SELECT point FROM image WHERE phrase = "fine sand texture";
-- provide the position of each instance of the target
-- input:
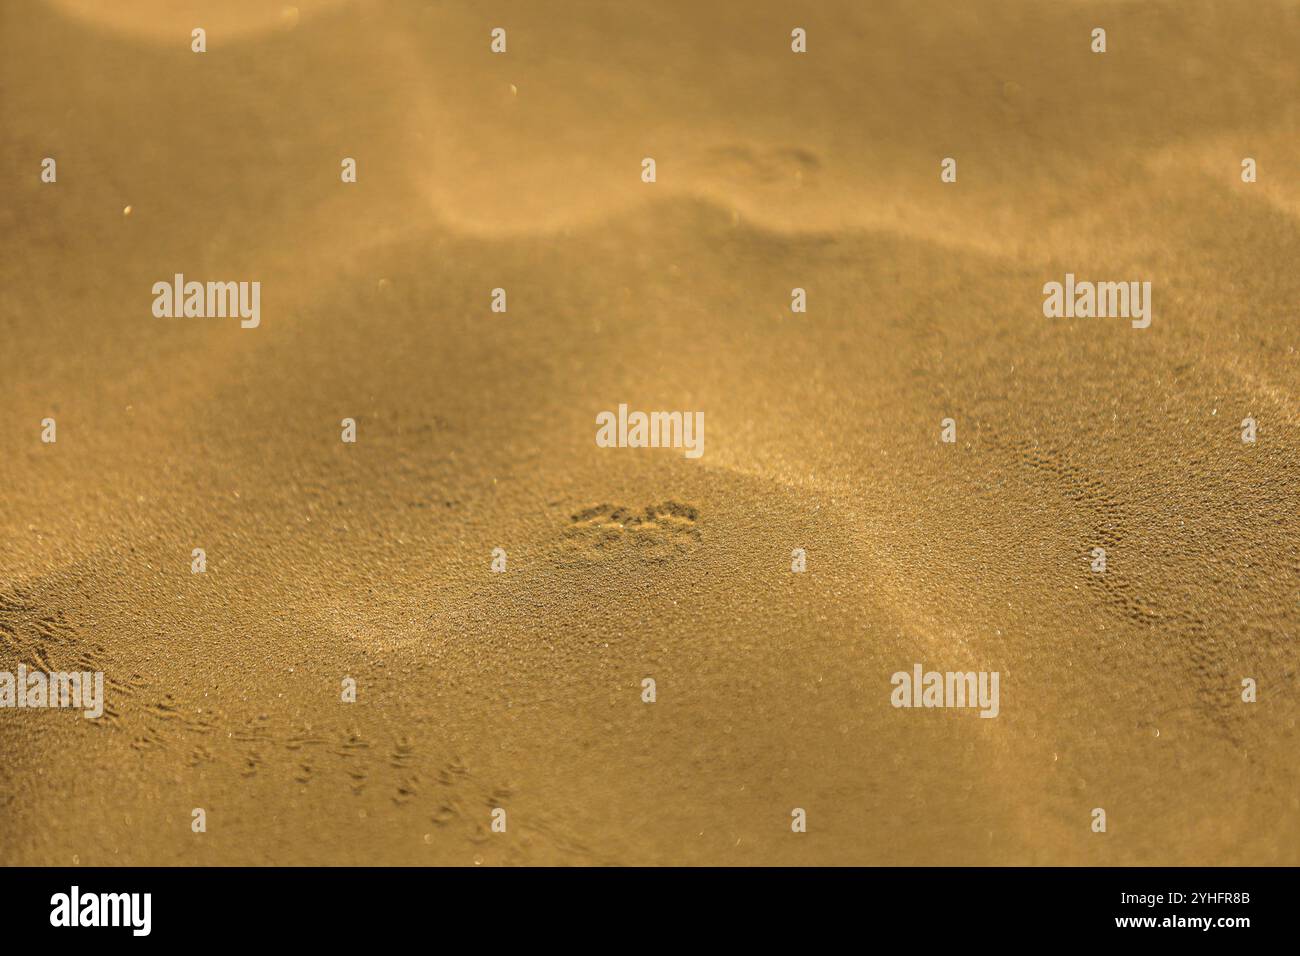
(523, 690)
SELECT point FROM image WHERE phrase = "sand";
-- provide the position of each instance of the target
(523, 690)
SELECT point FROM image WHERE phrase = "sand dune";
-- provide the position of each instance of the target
(522, 690)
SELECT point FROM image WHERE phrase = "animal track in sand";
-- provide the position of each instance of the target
(36, 632)
(32, 632)
(653, 533)
(760, 166)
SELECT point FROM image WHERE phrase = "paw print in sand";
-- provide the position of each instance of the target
(653, 533)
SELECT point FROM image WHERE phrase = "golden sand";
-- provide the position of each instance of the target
(522, 690)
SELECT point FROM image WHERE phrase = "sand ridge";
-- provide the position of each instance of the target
(476, 431)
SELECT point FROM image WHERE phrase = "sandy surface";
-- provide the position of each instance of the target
(523, 690)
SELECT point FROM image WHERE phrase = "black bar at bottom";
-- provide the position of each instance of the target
(621, 907)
